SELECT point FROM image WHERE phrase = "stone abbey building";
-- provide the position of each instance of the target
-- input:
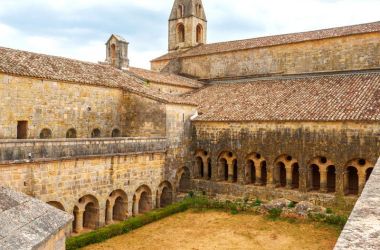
(294, 116)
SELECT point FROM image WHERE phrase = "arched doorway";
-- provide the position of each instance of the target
(71, 133)
(315, 177)
(235, 171)
(45, 134)
(281, 174)
(116, 133)
(251, 172)
(142, 200)
(295, 176)
(264, 178)
(200, 167)
(331, 179)
(166, 195)
(184, 180)
(352, 179)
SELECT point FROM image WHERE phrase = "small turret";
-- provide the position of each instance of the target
(117, 52)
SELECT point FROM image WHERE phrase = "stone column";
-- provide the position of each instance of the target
(205, 169)
(136, 207)
(362, 182)
(346, 180)
(158, 200)
(78, 227)
(109, 213)
(270, 177)
(323, 184)
(258, 181)
(230, 171)
(289, 181)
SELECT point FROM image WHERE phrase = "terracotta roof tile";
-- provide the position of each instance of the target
(28, 64)
(212, 48)
(166, 78)
(336, 97)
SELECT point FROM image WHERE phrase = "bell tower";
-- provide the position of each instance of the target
(187, 25)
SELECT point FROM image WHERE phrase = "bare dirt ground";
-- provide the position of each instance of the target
(219, 230)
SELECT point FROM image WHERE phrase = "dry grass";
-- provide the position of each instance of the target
(219, 230)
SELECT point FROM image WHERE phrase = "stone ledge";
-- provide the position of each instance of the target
(362, 230)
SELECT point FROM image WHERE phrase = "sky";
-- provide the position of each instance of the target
(79, 28)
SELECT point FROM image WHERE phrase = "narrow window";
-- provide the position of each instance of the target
(180, 11)
(181, 33)
(199, 33)
(22, 130)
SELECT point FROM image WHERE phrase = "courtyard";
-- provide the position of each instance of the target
(220, 230)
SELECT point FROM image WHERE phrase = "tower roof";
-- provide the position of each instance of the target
(190, 9)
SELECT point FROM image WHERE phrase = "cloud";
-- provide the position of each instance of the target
(79, 28)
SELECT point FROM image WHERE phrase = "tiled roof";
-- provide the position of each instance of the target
(28, 223)
(28, 64)
(165, 78)
(212, 48)
(337, 97)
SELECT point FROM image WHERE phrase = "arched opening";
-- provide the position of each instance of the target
(295, 176)
(315, 177)
(331, 179)
(184, 181)
(368, 173)
(181, 33)
(352, 179)
(95, 133)
(45, 134)
(200, 166)
(56, 204)
(145, 203)
(281, 174)
(199, 31)
(235, 169)
(251, 172)
(224, 168)
(209, 172)
(198, 10)
(90, 216)
(166, 197)
(116, 133)
(263, 166)
(180, 11)
(120, 209)
(71, 133)
(113, 54)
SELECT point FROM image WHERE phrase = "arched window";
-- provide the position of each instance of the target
(116, 133)
(181, 33)
(199, 33)
(198, 10)
(113, 54)
(180, 11)
(95, 133)
(71, 133)
(45, 133)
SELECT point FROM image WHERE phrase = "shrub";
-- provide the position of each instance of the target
(292, 204)
(331, 219)
(257, 203)
(274, 213)
(329, 211)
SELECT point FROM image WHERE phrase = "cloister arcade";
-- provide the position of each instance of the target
(319, 174)
(88, 211)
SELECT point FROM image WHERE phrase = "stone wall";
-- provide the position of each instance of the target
(285, 145)
(63, 183)
(169, 89)
(144, 117)
(59, 107)
(335, 54)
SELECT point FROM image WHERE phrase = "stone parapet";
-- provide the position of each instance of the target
(362, 230)
(13, 151)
